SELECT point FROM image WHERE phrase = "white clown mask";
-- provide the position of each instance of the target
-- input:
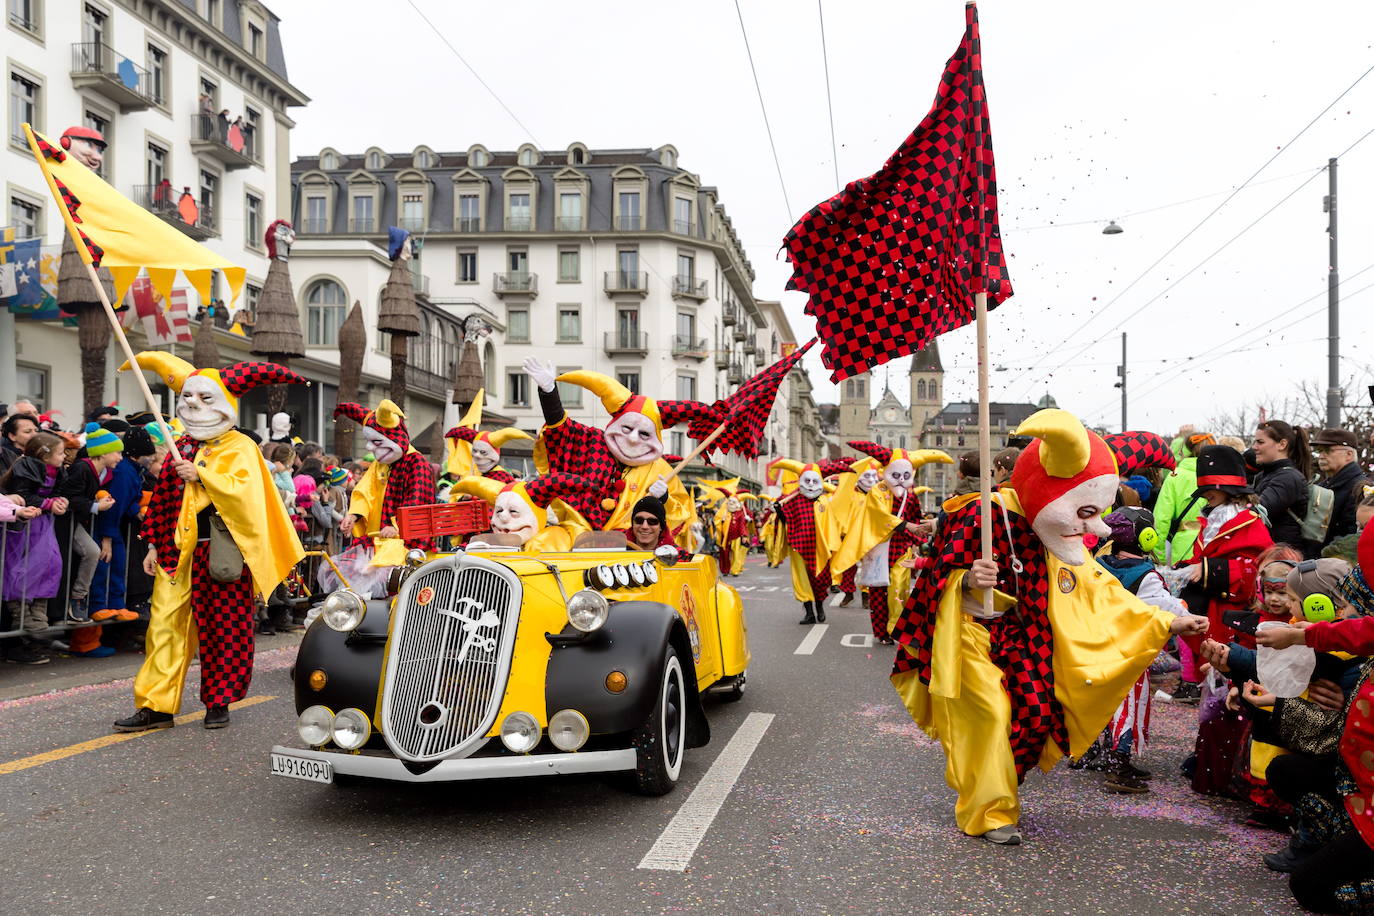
(733, 504)
(633, 439)
(484, 456)
(899, 476)
(810, 483)
(204, 409)
(867, 480)
(382, 448)
(1062, 525)
(512, 515)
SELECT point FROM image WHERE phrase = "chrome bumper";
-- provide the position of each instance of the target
(386, 767)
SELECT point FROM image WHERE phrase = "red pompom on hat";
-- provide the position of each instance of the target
(873, 449)
(1063, 455)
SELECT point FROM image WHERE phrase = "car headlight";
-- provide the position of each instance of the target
(351, 729)
(315, 725)
(343, 610)
(587, 610)
(415, 558)
(520, 732)
(569, 730)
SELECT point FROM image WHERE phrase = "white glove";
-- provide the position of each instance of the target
(542, 373)
(659, 488)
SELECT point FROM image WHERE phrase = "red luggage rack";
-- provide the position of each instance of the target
(451, 520)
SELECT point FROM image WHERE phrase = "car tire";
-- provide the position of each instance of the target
(660, 742)
(736, 691)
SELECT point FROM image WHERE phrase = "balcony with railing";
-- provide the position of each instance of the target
(688, 347)
(228, 144)
(194, 217)
(689, 287)
(722, 359)
(468, 224)
(729, 314)
(413, 223)
(365, 226)
(626, 343)
(740, 332)
(515, 282)
(629, 223)
(315, 226)
(569, 224)
(735, 374)
(750, 345)
(519, 224)
(629, 282)
(418, 379)
(97, 67)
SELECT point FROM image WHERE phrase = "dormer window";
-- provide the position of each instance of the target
(329, 160)
(527, 156)
(422, 159)
(477, 158)
(579, 157)
(374, 160)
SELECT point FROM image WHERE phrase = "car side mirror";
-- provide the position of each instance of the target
(666, 555)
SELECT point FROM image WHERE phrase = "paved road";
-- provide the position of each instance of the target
(840, 808)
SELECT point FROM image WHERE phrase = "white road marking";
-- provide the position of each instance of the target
(857, 640)
(813, 639)
(678, 842)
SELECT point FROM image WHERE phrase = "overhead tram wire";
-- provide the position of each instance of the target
(1203, 221)
(763, 108)
(829, 101)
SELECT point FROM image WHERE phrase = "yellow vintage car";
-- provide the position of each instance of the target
(494, 663)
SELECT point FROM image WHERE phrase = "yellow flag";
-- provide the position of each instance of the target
(130, 237)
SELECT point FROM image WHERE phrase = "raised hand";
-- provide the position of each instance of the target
(542, 373)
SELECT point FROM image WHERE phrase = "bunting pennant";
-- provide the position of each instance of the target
(894, 260)
(118, 234)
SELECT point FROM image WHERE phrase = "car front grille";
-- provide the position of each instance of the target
(453, 632)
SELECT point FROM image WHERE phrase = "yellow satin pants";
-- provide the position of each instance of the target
(170, 646)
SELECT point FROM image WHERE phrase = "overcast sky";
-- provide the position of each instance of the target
(1099, 111)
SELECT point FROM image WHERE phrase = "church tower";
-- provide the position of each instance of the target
(927, 388)
(855, 408)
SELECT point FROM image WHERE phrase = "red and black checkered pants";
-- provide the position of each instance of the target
(224, 615)
(847, 580)
(877, 610)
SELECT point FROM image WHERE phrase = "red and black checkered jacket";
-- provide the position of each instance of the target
(798, 517)
(410, 482)
(575, 448)
(901, 539)
(499, 473)
(1022, 642)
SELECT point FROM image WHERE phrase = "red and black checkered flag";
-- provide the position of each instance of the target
(746, 411)
(894, 260)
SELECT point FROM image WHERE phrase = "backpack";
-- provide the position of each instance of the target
(1321, 503)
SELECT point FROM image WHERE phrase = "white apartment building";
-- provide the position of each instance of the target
(618, 261)
(142, 72)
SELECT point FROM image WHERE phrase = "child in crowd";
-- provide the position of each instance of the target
(33, 561)
(84, 487)
(116, 528)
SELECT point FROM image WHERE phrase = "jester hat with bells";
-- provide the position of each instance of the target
(208, 405)
(1064, 480)
(621, 403)
(461, 439)
(387, 420)
(521, 508)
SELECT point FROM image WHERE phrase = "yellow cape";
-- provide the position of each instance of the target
(366, 503)
(235, 478)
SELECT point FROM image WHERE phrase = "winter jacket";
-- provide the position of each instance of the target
(126, 487)
(80, 483)
(1282, 492)
(1229, 574)
(30, 479)
(1347, 484)
(1175, 494)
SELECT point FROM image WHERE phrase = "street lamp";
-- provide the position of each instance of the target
(1112, 229)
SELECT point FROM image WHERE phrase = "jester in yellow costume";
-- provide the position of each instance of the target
(473, 452)
(731, 524)
(622, 463)
(218, 533)
(801, 526)
(520, 509)
(846, 507)
(1039, 675)
(883, 531)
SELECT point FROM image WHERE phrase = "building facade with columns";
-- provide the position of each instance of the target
(153, 77)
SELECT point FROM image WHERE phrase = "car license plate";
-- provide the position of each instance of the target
(302, 768)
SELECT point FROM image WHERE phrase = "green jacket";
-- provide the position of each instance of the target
(1174, 495)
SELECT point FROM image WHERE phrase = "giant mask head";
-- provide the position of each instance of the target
(521, 508)
(810, 483)
(280, 237)
(484, 456)
(634, 434)
(208, 399)
(384, 429)
(899, 476)
(1066, 479)
(471, 451)
(86, 144)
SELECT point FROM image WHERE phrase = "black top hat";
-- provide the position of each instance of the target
(1220, 467)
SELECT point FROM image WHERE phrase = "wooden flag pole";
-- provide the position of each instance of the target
(980, 301)
(118, 331)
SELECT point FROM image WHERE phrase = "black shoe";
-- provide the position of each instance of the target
(820, 611)
(143, 720)
(810, 614)
(848, 599)
(25, 655)
(1121, 779)
(1288, 858)
(1188, 692)
(216, 716)
(1137, 771)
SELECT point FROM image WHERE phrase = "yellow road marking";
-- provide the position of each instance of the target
(71, 750)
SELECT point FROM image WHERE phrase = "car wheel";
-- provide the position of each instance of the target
(661, 740)
(736, 691)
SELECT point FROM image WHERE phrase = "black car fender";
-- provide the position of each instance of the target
(633, 640)
(351, 662)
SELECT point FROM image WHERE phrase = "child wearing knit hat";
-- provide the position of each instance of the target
(83, 486)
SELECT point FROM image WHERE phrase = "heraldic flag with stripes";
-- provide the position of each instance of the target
(894, 260)
(745, 413)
